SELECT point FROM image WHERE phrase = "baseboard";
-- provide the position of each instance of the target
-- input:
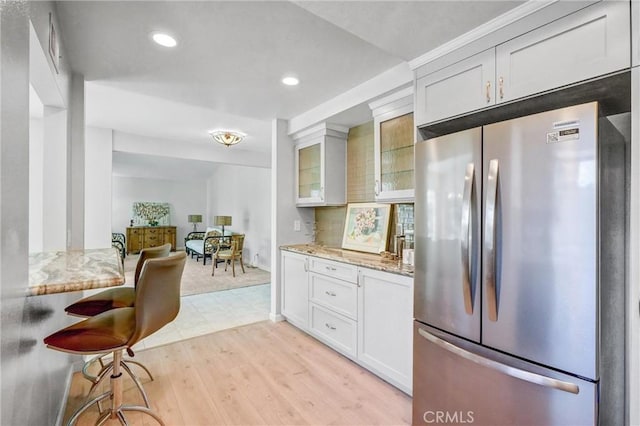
(67, 389)
(275, 317)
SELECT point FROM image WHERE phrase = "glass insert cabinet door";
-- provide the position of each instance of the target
(395, 158)
(310, 172)
(320, 169)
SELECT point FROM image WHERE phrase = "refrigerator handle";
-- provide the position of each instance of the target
(490, 240)
(466, 237)
(527, 376)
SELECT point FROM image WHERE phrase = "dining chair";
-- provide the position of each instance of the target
(230, 255)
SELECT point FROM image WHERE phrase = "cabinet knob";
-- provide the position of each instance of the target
(488, 88)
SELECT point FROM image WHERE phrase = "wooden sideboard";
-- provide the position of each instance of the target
(139, 237)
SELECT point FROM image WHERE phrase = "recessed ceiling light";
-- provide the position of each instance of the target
(290, 81)
(164, 39)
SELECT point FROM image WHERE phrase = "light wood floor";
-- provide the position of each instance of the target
(260, 374)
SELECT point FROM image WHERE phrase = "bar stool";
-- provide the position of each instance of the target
(120, 297)
(157, 302)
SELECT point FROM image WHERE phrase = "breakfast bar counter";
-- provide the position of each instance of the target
(368, 260)
(74, 270)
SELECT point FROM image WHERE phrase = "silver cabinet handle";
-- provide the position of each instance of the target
(488, 89)
(501, 87)
(490, 240)
(376, 188)
(527, 376)
(306, 264)
(330, 268)
(329, 326)
(322, 193)
(466, 238)
(330, 293)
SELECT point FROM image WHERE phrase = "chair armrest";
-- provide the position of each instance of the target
(121, 249)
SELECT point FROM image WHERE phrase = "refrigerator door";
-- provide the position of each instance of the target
(458, 382)
(540, 239)
(447, 232)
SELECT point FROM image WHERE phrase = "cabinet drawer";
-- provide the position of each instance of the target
(334, 329)
(335, 294)
(333, 269)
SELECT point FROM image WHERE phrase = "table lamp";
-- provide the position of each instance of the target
(195, 218)
(222, 221)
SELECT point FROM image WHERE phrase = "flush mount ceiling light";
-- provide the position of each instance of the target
(290, 81)
(227, 137)
(164, 39)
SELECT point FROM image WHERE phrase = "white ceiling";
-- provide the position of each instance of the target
(226, 70)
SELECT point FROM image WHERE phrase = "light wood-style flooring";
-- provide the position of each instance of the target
(259, 374)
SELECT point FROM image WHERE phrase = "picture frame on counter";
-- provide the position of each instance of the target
(366, 227)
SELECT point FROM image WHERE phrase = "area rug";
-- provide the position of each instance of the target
(197, 278)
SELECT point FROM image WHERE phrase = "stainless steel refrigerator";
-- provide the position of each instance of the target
(519, 279)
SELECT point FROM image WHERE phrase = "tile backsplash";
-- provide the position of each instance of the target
(329, 225)
(329, 221)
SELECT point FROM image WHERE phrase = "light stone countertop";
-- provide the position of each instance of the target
(74, 270)
(367, 260)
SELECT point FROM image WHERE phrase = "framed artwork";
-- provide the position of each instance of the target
(150, 214)
(366, 227)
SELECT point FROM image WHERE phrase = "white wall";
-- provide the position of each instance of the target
(244, 193)
(55, 179)
(76, 164)
(36, 182)
(184, 197)
(283, 207)
(97, 183)
(30, 374)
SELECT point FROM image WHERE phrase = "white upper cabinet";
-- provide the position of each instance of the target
(591, 42)
(394, 138)
(321, 154)
(585, 44)
(460, 88)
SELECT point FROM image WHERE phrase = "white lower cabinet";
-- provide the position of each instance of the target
(365, 314)
(385, 326)
(337, 295)
(295, 289)
(333, 304)
(334, 329)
